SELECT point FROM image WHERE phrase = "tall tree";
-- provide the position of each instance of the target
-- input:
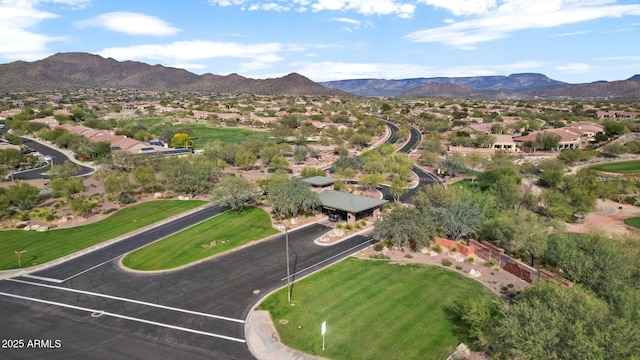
(402, 227)
(459, 218)
(292, 196)
(235, 192)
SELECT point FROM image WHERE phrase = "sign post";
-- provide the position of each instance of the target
(323, 330)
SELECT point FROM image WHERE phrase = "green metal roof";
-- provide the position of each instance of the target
(320, 180)
(349, 202)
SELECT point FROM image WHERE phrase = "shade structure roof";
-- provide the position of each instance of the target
(320, 180)
(348, 202)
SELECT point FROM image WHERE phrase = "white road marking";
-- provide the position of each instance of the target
(57, 281)
(91, 268)
(125, 317)
(323, 261)
(129, 300)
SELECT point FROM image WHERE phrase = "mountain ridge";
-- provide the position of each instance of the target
(83, 70)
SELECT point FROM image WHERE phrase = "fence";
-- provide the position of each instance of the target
(490, 252)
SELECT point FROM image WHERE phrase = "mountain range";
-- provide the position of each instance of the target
(83, 70)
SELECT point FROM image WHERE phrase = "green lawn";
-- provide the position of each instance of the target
(634, 221)
(230, 230)
(42, 247)
(374, 310)
(627, 167)
(203, 134)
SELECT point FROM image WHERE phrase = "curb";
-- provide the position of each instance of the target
(6, 274)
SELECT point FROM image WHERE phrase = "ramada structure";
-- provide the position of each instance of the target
(348, 206)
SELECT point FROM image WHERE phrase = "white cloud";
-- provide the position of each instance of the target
(575, 68)
(131, 24)
(269, 7)
(188, 51)
(347, 20)
(18, 38)
(327, 71)
(189, 66)
(365, 7)
(226, 3)
(575, 33)
(463, 7)
(514, 15)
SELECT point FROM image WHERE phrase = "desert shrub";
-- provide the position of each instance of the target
(408, 256)
(446, 262)
(378, 247)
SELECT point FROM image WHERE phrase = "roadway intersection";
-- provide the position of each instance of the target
(105, 312)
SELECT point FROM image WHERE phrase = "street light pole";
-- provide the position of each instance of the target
(286, 241)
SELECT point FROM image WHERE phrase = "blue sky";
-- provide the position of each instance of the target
(575, 41)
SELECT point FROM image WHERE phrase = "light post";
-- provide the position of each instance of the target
(286, 242)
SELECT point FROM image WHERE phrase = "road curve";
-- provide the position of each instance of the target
(57, 157)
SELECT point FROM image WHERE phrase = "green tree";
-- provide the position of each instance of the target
(292, 196)
(431, 196)
(22, 195)
(145, 177)
(452, 165)
(402, 227)
(245, 159)
(372, 181)
(459, 218)
(549, 322)
(547, 141)
(190, 175)
(117, 184)
(66, 186)
(82, 205)
(398, 187)
(278, 163)
(235, 192)
(308, 172)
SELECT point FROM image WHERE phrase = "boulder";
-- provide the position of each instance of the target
(474, 273)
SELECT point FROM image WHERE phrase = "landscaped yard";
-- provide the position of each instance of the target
(228, 230)
(627, 167)
(373, 310)
(42, 247)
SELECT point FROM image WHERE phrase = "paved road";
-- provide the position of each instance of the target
(57, 157)
(194, 313)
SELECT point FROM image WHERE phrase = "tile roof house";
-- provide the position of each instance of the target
(505, 143)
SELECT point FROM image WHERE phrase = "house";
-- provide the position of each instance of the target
(569, 138)
(505, 143)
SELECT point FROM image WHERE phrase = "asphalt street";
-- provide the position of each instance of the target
(57, 157)
(196, 312)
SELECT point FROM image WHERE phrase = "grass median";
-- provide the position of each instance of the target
(41, 247)
(222, 233)
(374, 310)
